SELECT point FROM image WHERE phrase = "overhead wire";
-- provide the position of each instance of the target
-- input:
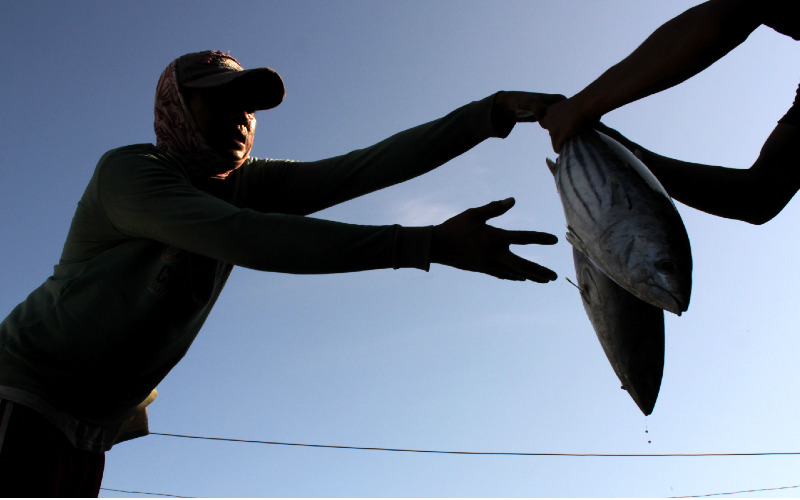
(143, 493)
(452, 452)
(742, 491)
(759, 490)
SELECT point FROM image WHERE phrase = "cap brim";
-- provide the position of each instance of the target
(260, 87)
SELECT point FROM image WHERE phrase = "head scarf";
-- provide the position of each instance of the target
(178, 134)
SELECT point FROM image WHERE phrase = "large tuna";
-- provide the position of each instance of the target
(630, 331)
(622, 219)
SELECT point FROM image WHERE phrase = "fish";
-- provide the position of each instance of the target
(630, 331)
(622, 219)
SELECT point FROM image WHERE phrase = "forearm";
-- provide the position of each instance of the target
(134, 196)
(747, 194)
(306, 245)
(279, 242)
(754, 195)
(676, 51)
(307, 187)
(712, 189)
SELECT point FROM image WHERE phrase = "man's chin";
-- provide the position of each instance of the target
(234, 155)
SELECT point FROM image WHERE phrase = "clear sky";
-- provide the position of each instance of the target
(444, 360)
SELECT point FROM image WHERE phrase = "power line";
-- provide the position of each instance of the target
(742, 491)
(143, 493)
(451, 452)
(687, 496)
(534, 454)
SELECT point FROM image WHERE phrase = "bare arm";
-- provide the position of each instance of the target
(754, 195)
(676, 51)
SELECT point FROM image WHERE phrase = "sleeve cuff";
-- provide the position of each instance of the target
(412, 247)
(483, 123)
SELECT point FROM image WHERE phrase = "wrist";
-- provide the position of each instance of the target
(503, 119)
(413, 247)
(587, 106)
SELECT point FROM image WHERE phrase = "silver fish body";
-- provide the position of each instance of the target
(630, 331)
(623, 220)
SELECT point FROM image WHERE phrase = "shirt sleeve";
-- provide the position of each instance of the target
(307, 187)
(144, 198)
(263, 223)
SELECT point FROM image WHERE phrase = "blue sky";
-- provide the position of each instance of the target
(445, 360)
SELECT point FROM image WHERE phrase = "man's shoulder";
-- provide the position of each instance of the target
(138, 158)
(143, 151)
(135, 167)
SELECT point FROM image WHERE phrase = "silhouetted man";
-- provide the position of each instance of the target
(159, 229)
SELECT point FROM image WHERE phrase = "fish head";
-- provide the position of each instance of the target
(651, 261)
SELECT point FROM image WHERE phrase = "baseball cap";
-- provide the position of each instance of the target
(262, 88)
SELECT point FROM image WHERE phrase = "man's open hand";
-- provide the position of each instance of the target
(466, 242)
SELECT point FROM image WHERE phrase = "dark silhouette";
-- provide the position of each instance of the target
(159, 229)
(676, 51)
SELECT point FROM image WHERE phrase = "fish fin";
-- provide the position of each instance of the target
(582, 291)
(553, 166)
(573, 284)
(575, 240)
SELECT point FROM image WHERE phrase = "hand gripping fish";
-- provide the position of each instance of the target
(623, 220)
(630, 331)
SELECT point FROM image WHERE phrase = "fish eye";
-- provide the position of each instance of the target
(666, 267)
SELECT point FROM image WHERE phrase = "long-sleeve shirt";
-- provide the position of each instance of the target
(150, 249)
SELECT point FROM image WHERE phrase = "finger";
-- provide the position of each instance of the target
(493, 209)
(544, 105)
(556, 143)
(535, 107)
(528, 107)
(513, 275)
(530, 270)
(529, 237)
(602, 127)
(553, 98)
(555, 140)
(516, 268)
(504, 275)
(526, 118)
(505, 272)
(524, 115)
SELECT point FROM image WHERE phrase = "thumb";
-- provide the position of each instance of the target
(494, 209)
(556, 144)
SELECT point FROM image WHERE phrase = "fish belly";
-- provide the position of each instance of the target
(630, 331)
